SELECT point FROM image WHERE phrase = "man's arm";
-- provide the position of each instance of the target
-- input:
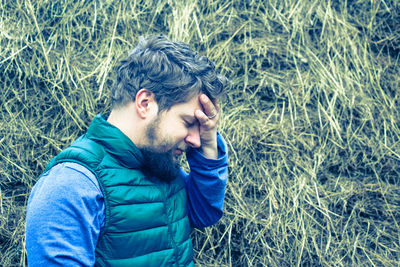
(205, 185)
(206, 182)
(64, 217)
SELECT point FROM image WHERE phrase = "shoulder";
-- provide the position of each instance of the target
(83, 151)
(66, 180)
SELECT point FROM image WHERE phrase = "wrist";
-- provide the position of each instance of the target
(210, 150)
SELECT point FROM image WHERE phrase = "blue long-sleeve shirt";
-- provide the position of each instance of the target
(66, 210)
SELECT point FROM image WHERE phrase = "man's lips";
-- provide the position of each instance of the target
(178, 151)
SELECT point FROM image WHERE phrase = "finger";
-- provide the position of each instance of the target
(209, 108)
(202, 117)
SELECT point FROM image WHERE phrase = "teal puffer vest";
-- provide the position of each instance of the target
(146, 220)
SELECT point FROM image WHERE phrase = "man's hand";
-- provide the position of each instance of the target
(208, 118)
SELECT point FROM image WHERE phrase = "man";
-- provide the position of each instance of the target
(116, 196)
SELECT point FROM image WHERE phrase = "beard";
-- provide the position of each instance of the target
(160, 165)
(159, 161)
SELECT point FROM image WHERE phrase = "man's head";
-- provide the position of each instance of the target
(170, 70)
(157, 95)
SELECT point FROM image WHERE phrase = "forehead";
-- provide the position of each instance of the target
(187, 107)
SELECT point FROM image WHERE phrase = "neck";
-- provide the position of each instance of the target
(126, 120)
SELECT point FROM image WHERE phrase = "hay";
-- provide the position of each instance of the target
(311, 119)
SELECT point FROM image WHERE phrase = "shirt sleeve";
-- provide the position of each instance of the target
(205, 185)
(65, 214)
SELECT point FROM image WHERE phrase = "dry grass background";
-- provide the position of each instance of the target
(311, 119)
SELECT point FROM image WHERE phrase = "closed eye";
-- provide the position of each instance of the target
(189, 124)
(190, 121)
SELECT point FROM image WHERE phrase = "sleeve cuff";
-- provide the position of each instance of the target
(195, 157)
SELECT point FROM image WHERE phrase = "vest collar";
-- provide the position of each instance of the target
(116, 142)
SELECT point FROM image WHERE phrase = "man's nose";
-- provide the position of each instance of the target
(193, 137)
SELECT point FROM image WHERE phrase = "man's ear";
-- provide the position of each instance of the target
(145, 103)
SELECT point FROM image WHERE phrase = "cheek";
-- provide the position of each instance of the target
(174, 132)
(180, 132)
